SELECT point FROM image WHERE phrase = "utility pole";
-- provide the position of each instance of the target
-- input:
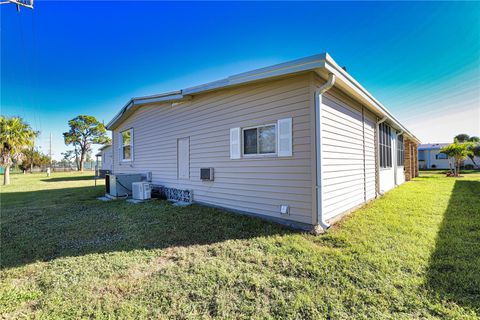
(31, 157)
(50, 150)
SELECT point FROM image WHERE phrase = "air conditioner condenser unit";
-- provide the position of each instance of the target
(120, 185)
(141, 191)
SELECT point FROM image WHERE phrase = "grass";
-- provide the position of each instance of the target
(415, 253)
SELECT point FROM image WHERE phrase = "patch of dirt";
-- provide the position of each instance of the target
(26, 308)
(156, 265)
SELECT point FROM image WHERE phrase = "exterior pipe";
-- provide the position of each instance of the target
(377, 177)
(318, 186)
(395, 158)
(381, 120)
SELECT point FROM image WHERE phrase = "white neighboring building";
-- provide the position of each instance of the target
(106, 153)
(429, 157)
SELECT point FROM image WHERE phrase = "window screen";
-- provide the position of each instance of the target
(126, 145)
(259, 140)
(385, 144)
(400, 151)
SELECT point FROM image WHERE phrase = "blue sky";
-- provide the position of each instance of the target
(421, 60)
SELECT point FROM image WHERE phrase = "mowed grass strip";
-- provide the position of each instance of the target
(414, 253)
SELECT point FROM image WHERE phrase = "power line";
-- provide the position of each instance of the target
(22, 50)
(50, 149)
(35, 70)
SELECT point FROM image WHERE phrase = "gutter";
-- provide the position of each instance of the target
(170, 96)
(314, 63)
(332, 66)
(318, 186)
(395, 158)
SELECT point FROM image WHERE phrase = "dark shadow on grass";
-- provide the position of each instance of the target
(74, 178)
(48, 224)
(454, 270)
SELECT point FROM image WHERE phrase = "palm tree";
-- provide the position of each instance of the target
(459, 152)
(15, 135)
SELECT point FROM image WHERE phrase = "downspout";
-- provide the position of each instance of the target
(395, 159)
(318, 186)
(377, 144)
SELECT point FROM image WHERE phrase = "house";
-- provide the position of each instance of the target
(430, 157)
(105, 152)
(300, 143)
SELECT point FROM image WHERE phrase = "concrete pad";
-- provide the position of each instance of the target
(182, 204)
(135, 201)
(104, 199)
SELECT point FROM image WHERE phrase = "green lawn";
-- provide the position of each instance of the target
(415, 253)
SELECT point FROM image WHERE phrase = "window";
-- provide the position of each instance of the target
(126, 145)
(400, 151)
(260, 140)
(275, 139)
(385, 144)
(441, 156)
(421, 155)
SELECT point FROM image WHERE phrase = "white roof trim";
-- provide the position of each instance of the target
(340, 73)
(312, 63)
(305, 64)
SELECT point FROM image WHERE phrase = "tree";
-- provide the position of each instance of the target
(69, 156)
(462, 137)
(33, 158)
(474, 147)
(85, 131)
(459, 152)
(15, 135)
(88, 157)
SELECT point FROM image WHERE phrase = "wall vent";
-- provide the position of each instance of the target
(206, 174)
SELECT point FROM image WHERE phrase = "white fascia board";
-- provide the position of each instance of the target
(171, 96)
(308, 61)
(343, 76)
(159, 98)
(316, 63)
(295, 66)
(291, 67)
(110, 125)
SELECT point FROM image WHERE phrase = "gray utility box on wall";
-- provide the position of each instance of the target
(206, 174)
(120, 185)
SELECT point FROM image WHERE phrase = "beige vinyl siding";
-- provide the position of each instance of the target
(257, 185)
(370, 164)
(348, 153)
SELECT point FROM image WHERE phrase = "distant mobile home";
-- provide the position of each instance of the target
(300, 143)
(430, 157)
(105, 154)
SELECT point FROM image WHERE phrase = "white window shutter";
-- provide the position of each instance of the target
(132, 151)
(120, 147)
(284, 136)
(235, 143)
